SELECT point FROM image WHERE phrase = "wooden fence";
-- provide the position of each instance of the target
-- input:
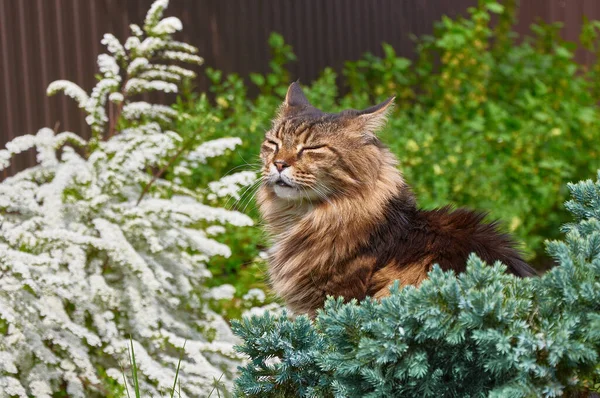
(45, 40)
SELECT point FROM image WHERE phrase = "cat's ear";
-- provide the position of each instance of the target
(295, 97)
(374, 118)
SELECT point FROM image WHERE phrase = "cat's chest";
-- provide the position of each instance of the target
(300, 274)
(287, 261)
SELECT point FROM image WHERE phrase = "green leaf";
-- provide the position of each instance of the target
(276, 40)
(257, 79)
(495, 8)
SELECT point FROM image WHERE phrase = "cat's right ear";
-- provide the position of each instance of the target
(295, 97)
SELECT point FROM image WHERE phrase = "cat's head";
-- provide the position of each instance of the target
(309, 154)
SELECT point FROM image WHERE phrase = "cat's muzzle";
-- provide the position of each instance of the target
(282, 183)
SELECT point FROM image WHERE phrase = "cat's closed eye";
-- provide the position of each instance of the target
(311, 148)
(270, 145)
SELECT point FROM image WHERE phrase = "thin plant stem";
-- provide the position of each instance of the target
(177, 372)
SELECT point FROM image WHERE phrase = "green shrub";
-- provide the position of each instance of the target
(487, 121)
(483, 119)
(482, 333)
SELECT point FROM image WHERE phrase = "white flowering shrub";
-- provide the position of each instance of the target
(96, 248)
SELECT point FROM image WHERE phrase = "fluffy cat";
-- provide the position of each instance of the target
(343, 221)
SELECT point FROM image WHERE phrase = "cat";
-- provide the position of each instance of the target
(343, 221)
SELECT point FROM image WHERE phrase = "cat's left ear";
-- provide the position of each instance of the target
(295, 97)
(374, 118)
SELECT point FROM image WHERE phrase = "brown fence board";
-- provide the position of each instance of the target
(45, 40)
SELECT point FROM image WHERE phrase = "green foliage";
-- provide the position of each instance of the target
(483, 119)
(481, 333)
(487, 122)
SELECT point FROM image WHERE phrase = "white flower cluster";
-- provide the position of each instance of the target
(108, 65)
(85, 264)
(167, 26)
(70, 89)
(137, 110)
(114, 46)
(127, 69)
(82, 267)
(232, 184)
(212, 149)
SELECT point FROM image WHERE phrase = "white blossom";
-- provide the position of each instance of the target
(70, 89)
(180, 46)
(135, 110)
(232, 184)
(5, 156)
(46, 143)
(116, 97)
(137, 85)
(108, 65)
(175, 69)
(167, 26)
(182, 171)
(150, 45)
(183, 57)
(255, 295)
(155, 13)
(137, 65)
(113, 45)
(77, 236)
(272, 308)
(223, 292)
(12, 387)
(95, 106)
(21, 144)
(212, 149)
(132, 43)
(83, 266)
(160, 75)
(136, 30)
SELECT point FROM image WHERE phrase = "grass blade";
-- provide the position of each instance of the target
(177, 372)
(215, 386)
(134, 370)
(126, 386)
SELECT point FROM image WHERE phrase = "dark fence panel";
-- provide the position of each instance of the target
(46, 40)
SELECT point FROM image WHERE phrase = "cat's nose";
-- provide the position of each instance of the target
(281, 164)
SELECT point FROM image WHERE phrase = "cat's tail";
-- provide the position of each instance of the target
(519, 267)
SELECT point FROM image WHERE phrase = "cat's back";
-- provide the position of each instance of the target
(410, 241)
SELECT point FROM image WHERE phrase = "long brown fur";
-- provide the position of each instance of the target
(343, 221)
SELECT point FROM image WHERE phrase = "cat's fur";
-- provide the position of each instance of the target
(342, 219)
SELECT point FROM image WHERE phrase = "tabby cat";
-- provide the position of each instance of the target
(344, 222)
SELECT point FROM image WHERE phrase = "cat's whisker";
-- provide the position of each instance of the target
(248, 188)
(251, 197)
(245, 196)
(245, 189)
(254, 167)
(240, 155)
(229, 172)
